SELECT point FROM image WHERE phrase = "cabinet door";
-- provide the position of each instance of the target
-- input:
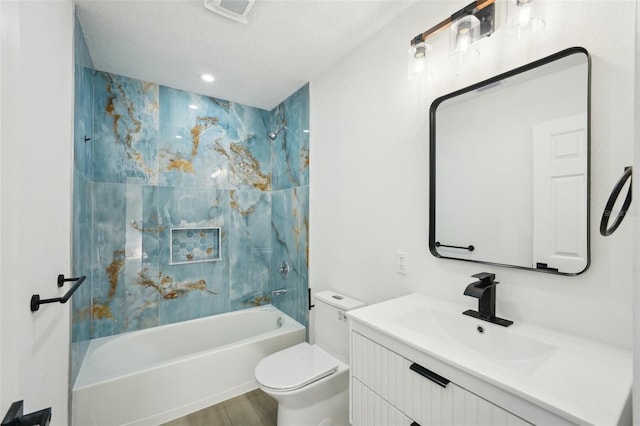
(419, 393)
(371, 410)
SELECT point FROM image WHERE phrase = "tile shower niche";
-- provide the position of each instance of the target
(194, 245)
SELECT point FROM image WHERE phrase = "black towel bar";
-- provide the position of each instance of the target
(469, 247)
(36, 301)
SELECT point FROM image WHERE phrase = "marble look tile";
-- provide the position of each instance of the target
(216, 167)
(81, 265)
(125, 143)
(141, 252)
(109, 238)
(199, 289)
(285, 224)
(125, 241)
(285, 174)
(249, 249)
(249, 150)
(81, 257)
(82, 195)
(291, 148)
(303, 93)
(83, 120)
(80, 48)
(303, 251)
(207, 142)
(194, 140)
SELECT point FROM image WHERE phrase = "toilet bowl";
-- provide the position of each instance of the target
(311, 382)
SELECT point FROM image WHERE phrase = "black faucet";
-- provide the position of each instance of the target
(485, 291)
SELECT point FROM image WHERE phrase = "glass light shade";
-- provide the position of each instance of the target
(525, 17)
(462, 34)
(418, 61)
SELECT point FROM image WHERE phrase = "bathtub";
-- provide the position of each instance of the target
(155, 375)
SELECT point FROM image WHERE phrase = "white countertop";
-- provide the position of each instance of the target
(584, 381)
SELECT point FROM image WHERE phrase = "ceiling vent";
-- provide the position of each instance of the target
(232, 9)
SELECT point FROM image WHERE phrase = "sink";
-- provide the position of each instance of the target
(467, 333)
(578, 380)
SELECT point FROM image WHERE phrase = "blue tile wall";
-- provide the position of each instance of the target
(291, 147)
(162, 158)
(250, 250)
(200, 289)
(125, 129)
(82, 196)
(290, 212)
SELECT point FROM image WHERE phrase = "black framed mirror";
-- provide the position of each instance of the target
(510, 166)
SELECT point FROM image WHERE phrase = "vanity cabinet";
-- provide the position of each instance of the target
(416, 359)
(389, 389)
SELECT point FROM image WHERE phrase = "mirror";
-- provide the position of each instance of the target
(509, 168)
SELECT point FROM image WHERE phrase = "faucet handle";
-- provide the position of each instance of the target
(485, 277)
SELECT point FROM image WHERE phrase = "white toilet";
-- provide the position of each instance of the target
(311, 382)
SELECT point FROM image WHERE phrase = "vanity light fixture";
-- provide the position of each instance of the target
(462, 34)
(525, 17)
(468, 25)
(419, 61)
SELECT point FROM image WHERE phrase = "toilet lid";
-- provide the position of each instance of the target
(295, 367)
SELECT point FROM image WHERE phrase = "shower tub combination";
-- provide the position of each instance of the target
(156, 375)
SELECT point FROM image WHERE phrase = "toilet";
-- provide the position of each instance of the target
(311, 382)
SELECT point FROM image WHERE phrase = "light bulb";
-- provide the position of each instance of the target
(462, 34)
(418, 61)
(524, 17)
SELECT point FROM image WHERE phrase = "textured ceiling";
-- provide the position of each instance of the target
(284, 45)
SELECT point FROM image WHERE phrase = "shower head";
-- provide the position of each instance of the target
(274, 135)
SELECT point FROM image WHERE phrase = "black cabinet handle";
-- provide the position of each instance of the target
(428, 374)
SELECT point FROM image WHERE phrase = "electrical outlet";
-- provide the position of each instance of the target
(402, 263)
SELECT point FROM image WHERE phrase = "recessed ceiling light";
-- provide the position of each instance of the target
(207, 77)
(192, 106)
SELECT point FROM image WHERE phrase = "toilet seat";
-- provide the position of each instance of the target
(295, 367)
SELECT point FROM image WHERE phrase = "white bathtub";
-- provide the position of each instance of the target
(155, 375)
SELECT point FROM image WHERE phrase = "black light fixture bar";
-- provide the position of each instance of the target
(482, 9)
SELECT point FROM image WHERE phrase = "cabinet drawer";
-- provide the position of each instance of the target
(421, 394)
(371, 410)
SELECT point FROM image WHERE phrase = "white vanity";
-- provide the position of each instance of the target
(419, 361)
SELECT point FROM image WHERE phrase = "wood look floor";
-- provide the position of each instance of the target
(254, 408)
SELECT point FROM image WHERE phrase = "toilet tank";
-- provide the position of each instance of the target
(331, 327)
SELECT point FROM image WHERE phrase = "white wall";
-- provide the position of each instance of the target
(369, 169)
(1, 39)
(37, 77)
(636, 239)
